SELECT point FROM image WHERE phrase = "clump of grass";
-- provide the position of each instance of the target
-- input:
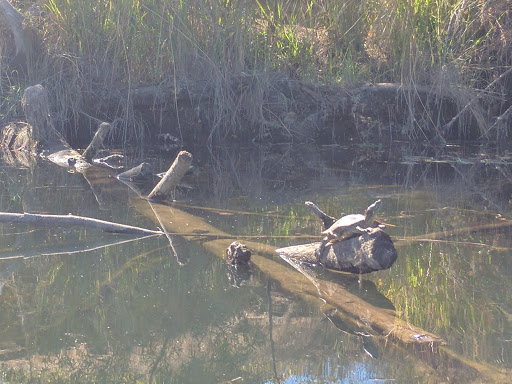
(95, 51)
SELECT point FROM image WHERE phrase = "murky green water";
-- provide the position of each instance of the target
(81, 306)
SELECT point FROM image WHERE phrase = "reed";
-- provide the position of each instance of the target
(97, 48)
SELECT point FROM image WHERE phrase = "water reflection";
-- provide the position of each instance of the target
(127, 310)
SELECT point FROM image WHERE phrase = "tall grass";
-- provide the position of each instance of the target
(96, 49)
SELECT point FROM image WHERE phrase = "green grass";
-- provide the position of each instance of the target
(92, 48)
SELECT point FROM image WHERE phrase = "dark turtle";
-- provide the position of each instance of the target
(348, 226)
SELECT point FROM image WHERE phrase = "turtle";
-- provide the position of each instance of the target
(348, 226)
(326, 219)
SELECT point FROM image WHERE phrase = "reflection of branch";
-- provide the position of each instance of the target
(154, 366)
(272, 349)
(181, 260)
(74, 251)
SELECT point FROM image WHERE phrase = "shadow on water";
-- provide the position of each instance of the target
(81, 306)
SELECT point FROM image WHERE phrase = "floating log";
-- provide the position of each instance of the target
(366, 253)
(172, 177)
(72, 220)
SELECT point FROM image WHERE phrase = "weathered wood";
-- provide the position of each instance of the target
(72, 220)
(172, 177)
(141, 172)
(38, 134)
(37, 112)
(9, 16)
(366, 253)
(97, 141)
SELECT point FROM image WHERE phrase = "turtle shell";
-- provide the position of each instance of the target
(345, 224)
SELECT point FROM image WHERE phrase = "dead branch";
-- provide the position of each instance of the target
(474, 99)
(72, 220)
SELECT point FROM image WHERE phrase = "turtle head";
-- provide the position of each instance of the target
(370, 211)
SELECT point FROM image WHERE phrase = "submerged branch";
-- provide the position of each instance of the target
(456, 232)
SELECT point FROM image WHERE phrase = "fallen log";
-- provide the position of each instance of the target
(172, 177)
(366, 253)
(72, 220)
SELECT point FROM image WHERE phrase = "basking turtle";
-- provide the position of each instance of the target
(348, 226)
(326, 219)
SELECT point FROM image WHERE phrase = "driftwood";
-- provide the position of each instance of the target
(10, 17)
(96, 142)
(72, 220)
(38, 135)
(366, 253)
(141, 172)
(172, 177)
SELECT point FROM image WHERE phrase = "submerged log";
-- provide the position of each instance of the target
(366, 253)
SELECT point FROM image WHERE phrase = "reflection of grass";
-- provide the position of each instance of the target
(449, 288)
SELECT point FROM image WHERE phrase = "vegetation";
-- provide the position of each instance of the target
(90, 54)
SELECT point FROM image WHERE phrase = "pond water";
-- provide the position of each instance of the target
(78, 305)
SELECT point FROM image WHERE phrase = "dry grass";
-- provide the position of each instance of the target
(94, 52)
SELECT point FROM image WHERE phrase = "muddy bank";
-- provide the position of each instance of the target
(275, 108)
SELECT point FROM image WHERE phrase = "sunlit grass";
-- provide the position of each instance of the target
(99, 47)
